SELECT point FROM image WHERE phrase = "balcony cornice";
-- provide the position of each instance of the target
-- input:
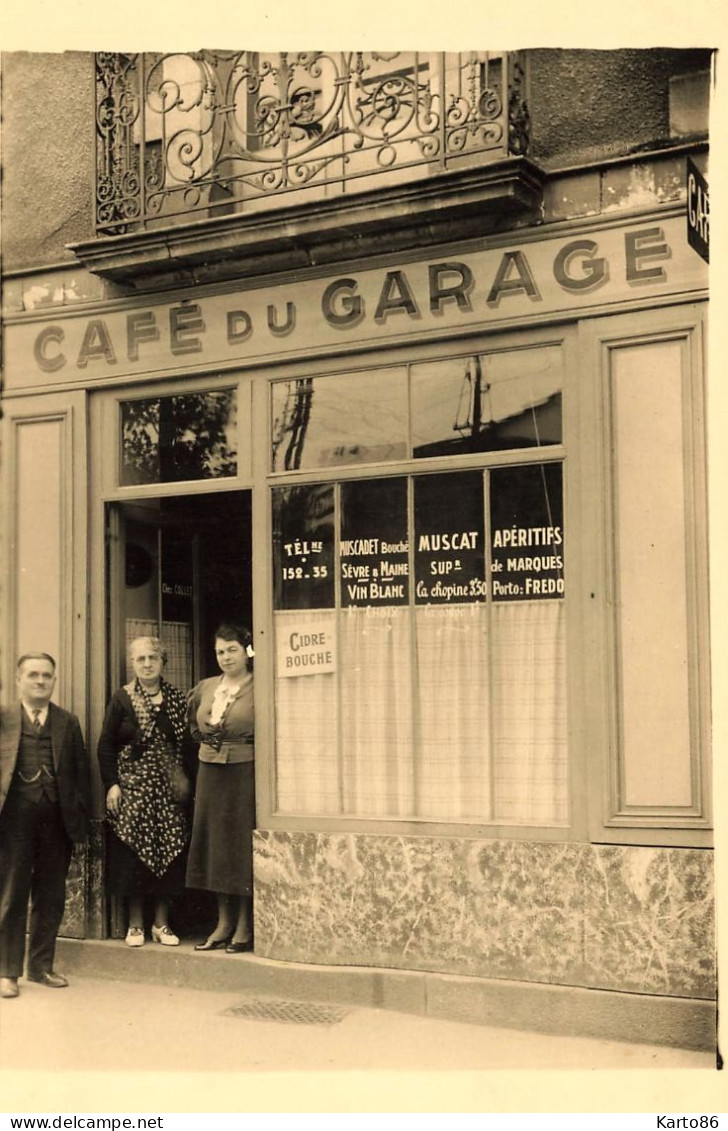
(457, 205)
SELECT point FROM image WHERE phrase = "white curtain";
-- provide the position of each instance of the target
(453, 712)
(307, 760)
(529, 712)
(376, 711)
(453, 717)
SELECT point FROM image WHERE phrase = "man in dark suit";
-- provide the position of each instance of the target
(44, 802)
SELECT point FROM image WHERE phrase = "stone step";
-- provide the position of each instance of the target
(564, 1010)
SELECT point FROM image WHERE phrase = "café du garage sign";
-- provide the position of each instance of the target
(698, 211)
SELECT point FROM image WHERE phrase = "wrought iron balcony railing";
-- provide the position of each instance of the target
(187, 136)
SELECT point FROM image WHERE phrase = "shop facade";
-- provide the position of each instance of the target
(450, 467)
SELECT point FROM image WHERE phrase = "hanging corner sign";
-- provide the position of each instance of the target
(698, 211)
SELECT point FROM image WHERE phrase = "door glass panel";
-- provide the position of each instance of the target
(185, 437)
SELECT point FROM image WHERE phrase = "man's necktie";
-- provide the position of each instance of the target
(36, 718)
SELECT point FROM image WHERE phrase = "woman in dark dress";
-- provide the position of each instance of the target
(142, 752)
(220, 718)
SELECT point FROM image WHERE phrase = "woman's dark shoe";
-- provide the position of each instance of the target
(239, 947)
(213, 944)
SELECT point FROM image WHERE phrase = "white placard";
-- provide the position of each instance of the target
(306, 648)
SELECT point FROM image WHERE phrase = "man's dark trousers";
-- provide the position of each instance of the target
(44, 802)
(35, 852)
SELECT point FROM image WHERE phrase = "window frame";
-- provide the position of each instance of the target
(562, 335)
(106, 405)
(402, 363)
(412, 609)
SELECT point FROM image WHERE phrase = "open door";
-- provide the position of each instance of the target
(176, 567)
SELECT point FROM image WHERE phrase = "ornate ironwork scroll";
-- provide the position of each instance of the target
(181, 136)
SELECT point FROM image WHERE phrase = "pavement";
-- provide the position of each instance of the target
(118, 1034)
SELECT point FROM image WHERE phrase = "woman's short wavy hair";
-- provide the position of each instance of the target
(156, 643)
(234, 630)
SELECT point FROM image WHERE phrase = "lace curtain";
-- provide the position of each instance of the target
(447, 712)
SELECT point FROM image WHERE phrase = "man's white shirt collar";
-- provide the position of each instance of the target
(42, 711)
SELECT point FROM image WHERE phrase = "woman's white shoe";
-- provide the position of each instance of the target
(135, 937)
(164, 936)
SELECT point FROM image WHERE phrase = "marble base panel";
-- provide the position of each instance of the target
(610, 917)
(95, 891)
(84, 912)
(73, 925)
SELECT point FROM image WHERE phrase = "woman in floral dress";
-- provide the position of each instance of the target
(143, 751)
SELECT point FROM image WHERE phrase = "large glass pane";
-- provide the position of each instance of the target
(453, 711)
(425, 700)
(528, 712)
(528, 645)
(331, 421)
(376, 677)
(527, 532)
(307, 711)
(185, 437)
(303, 547)
(373, 551)
(306, 649)
(487, 402)
(376, 711)
(449, 538)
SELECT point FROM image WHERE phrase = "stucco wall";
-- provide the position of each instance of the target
(47, 156)
(590, 104)
(584, 105)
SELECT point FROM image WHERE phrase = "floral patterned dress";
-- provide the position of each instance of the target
(142, 748)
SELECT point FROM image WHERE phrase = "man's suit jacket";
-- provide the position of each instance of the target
(69, 758)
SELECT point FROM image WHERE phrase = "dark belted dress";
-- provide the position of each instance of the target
(221, 850)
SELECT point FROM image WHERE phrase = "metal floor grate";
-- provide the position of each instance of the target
(289, 1012)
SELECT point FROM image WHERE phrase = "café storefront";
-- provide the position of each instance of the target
(459, 495)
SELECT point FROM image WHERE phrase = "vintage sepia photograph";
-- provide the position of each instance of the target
(356, 608)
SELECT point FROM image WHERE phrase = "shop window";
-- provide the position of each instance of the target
(449, 513)
(171, 439)
(303, 524)
(424, 675)
(493, 402)
(329, 421)
(487, 402)
(373, 550)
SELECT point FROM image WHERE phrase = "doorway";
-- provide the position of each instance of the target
(176, 567)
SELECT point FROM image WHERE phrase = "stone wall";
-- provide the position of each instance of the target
(610, 917)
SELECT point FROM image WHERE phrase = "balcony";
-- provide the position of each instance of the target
(221, 147)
